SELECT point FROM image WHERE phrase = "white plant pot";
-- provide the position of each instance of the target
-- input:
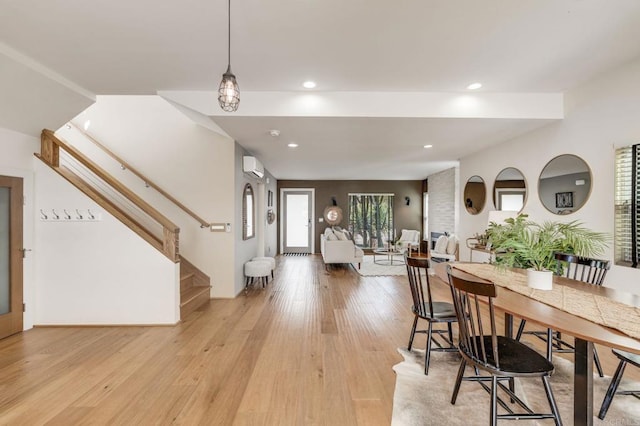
(540, 280)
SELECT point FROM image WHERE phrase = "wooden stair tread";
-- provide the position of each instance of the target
(192, 293)
(186, 275)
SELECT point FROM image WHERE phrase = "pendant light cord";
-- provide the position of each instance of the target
(229, 28)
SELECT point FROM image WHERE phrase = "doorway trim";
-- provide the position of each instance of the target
(311, 217)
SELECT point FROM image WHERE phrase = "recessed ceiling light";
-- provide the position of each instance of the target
(474, 86)
(292, 145)
(275, 133)
(428, 146)
(309, 84)
(86, 125)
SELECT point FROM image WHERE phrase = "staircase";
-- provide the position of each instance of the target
(195, 288)
(143, 219)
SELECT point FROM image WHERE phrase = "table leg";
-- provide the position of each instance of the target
(583, 383)
(508, 325)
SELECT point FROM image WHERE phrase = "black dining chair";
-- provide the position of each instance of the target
(503, 358)
(424, 307)
(579, 268)
(625, 358)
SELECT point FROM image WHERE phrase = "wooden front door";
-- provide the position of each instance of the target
(11, 200)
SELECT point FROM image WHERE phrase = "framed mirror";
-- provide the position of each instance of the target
(333, 215)
(564, 184)
(248, 213)
(475, 194)
(510, 190)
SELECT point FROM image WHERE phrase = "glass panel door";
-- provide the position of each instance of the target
(10, 255)
(297, 226)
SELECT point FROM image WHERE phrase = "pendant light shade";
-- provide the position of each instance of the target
(229, 91)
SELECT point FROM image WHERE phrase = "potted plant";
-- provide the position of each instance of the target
(521, 243)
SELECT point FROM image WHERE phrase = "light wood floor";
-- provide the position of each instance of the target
(313, 348)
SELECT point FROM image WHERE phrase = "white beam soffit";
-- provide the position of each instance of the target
(546, 106)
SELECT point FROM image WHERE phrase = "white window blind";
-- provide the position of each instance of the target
(625, 200)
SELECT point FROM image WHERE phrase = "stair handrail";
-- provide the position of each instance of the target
(127, 166)
(50, 155)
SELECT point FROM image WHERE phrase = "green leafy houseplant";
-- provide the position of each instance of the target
(522, 243)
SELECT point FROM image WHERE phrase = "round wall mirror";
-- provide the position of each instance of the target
(510, 190)
(565, 184)
(333, 215)
(475, 194)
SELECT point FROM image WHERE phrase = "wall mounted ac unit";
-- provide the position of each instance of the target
(252, 166)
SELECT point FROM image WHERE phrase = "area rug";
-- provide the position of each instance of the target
(368, 268)
(425, 400)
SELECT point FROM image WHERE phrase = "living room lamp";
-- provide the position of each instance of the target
(229, 91)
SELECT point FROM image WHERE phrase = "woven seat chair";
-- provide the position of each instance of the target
(583, 269)
(501, 358)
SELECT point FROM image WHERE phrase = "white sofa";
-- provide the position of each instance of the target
(336, 247)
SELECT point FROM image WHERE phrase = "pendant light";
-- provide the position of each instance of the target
(229, 92)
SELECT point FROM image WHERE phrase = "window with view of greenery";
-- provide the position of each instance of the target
(371, 219)
(627, 186)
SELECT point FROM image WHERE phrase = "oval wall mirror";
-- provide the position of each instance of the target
(510, 190)
(248, 213)
(565, 184)
(475, 194)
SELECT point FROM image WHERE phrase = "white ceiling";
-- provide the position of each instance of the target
(412, 46)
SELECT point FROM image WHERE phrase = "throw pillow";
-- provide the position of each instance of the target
(327, 232)
(441, 244)
(331, 237)
(341, 236)
(452, 244)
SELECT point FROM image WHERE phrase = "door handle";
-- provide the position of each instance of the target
(24, 252)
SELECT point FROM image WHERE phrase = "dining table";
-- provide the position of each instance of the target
(585, 330)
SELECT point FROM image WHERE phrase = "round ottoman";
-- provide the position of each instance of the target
(271, 260)
(257, 269)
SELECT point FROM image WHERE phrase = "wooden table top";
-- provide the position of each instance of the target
(532, 310)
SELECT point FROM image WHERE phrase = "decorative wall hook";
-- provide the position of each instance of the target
(43, 215)
(55, 215)
(66, 214)
(79, 216)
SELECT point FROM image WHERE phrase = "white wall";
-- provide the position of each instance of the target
(601, 115)
(17, 160)
(193, 164)
(96, 272)
(246, 249)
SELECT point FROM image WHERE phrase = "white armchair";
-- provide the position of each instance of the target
(409, 238)
(444, 247)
